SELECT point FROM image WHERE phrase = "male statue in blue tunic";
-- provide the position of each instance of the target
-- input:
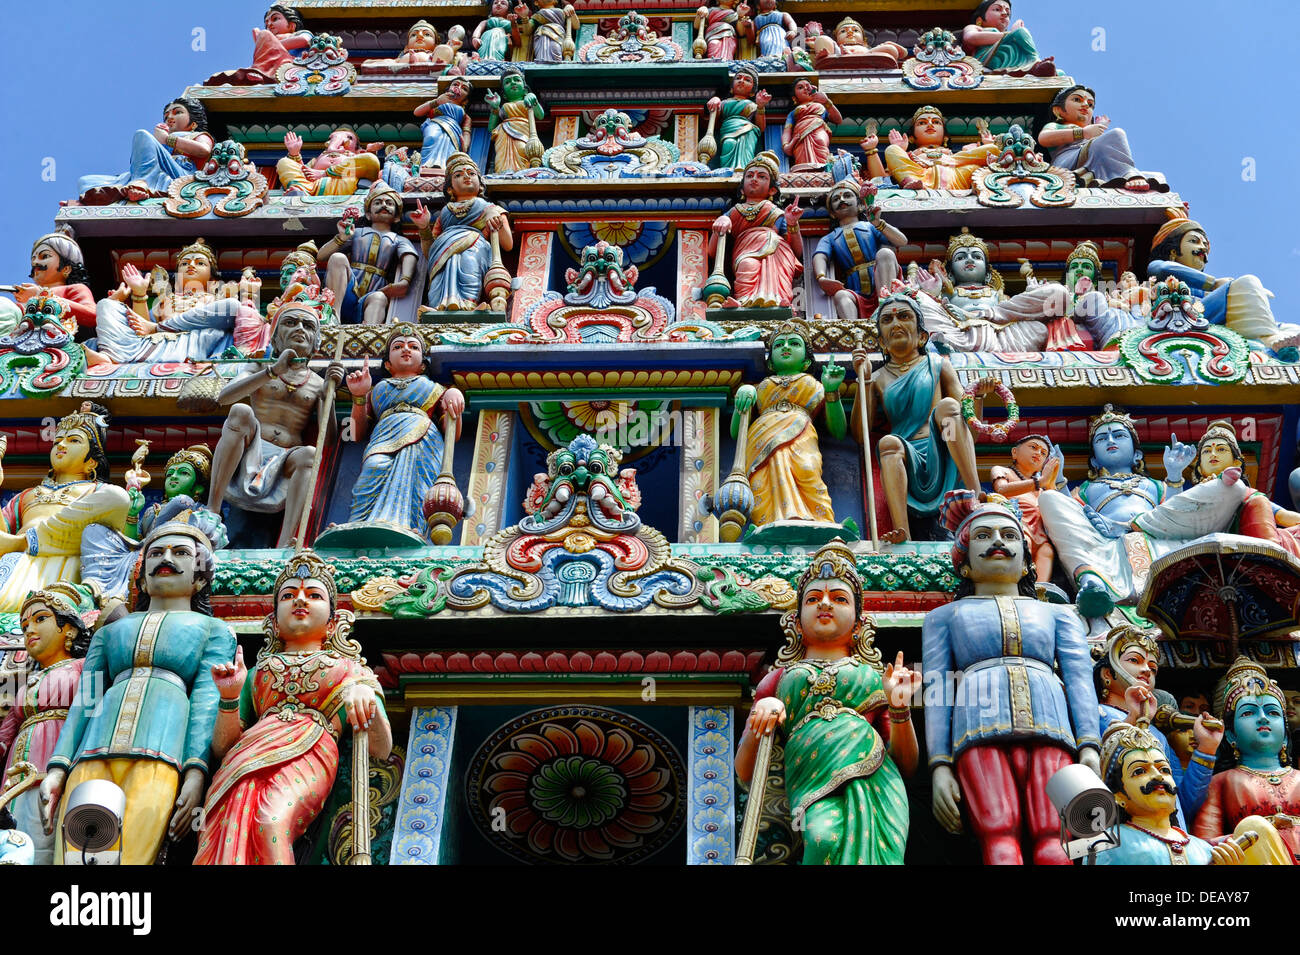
(1000, 731)
(144, 713)
(860, 250)
(359, 276)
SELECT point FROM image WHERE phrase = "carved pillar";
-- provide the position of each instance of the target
(417, 830)
(699, 475)
(488, 473)
(566, 128)
(710, 787)
(534, 272)
(692, 272)
(687, 136)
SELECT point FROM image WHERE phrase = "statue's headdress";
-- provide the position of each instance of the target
(62, 242)
(834, 561)
(198, 456)
(381, 188)
(199, 247)
(91, 421)
(1086, 250)
(959, 510)
(1172, 231)
(1120, 739)
(1244, 678)
(1118, 640)
(308, 565)
(74, 600)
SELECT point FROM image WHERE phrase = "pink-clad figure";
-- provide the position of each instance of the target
(768, 248)
(806, 136)
(273, 47)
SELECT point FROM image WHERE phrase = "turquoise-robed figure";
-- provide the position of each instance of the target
(909, 406)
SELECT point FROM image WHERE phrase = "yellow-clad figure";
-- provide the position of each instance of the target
(932, 165)
(343, 168)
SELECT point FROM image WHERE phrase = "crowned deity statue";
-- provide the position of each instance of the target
(1262, 786)
(464, 241)
(772, 30)
(496, 37)
(423, 52)
(359, 259)
(56, 624)
(932, 165)
(197, 317)
(1001, 45)
(143, 716)
(404, 453)
(743, 118)
(173, 149)
(1036, 464)
(849, 41)
(998, 734)
(550, 30)
(806, 135)
(342, 168)
(262, 463)
(768, 250)
(1120, 519)
(717, 29)
(1098, 154)
(1181, 249)
(282, 40)
(861, 247)
(914, 402)
(278, 729)
(185, 483)
(58, 271)
(1104, 317)
(512, 115)
(782, 456)
(829, 695)
(44, 529)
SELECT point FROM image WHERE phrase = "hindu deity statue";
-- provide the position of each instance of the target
(404, 454)
(932, 165)
(772, 30)
(463, 242)
(511, 121)
(1263, 783)
(926, 449)
(262, 462)
(1137, 769)
(282, 39)
(185, 481)
(44, 528)
(1125, 676)
(497, 36)
(58, 271)
(850, 42)
(784, 461)
(1036, 464)
(743, 118)
(717, 28)
(343, 168)
(1090, 530)
(967, 307)
(844, 761)
(860, 249)
(198, 317)
(174, 148)
(56, 624)
(768, 250)
(1097, 154)
(994, 744)
(1260, 517)
(299, 282)
(277, 733)
(144, 714)
(359, 259)
(550, 29)
(1181, 249)
(806, 136)
(446, 126)
(1001, 45)
(1104, 318)
(423, 52)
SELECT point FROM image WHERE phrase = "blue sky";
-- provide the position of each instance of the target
(1198, 89)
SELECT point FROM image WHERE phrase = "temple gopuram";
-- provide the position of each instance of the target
(568, 433)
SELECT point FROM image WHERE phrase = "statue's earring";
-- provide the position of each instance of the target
(67, 643)
(1024, 572)
(965, 571)
(1236, 753)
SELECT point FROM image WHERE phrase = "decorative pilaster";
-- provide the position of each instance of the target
(687, 137)
(711, 787)
(488, 473)
(692, 272)
(417, 831)
(699, 475)
(566, 128)
(534, 268)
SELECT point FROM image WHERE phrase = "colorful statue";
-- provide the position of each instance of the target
(195, 319)
(860, 249)
(1001, 45)
(464, 242)
(932, 165)
(343, 168)
(44, 528)
(1125, 675)
(1259, 517)
(58, 270)
(277, 734)
(1262, 783)
(829, 693)
(926, 449)
(174, 148)
(272, 48)
(512, 116)
(772, 31)
(359, 259)
(1089, 530)
(498, 35)
(262, 462)
(56, 624)
(404, 454)
(1010, 722)
(1036, 464)
(716, 30)
(768, 247)
(806, 136)
(423, 52)
(850, 42)
(551, 30)
(1137, 769)
(1181, 248)
(784, 461)
(1096, 153)
(184, 483)
(143, 717)
(743, 118)
(446, 125)
(1105, 318)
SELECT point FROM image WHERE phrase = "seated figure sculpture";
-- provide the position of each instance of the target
(273, 47)
(1104, 318)
(343, 168)
(1097, 153)
(423, 53)
(768, 249)
(446, 126)
(358, 277)
(185, 479)
(850, 47)
(172, 149)
(1003, 46)
(861, 250)
(932, 165)
(1036, 464)
(58, 270)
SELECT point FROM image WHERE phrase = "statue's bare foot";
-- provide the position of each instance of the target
(136, 191)
(895, 536)
(1137, 184)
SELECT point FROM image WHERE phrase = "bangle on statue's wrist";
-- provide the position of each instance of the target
(900, 714)
(228, 706)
